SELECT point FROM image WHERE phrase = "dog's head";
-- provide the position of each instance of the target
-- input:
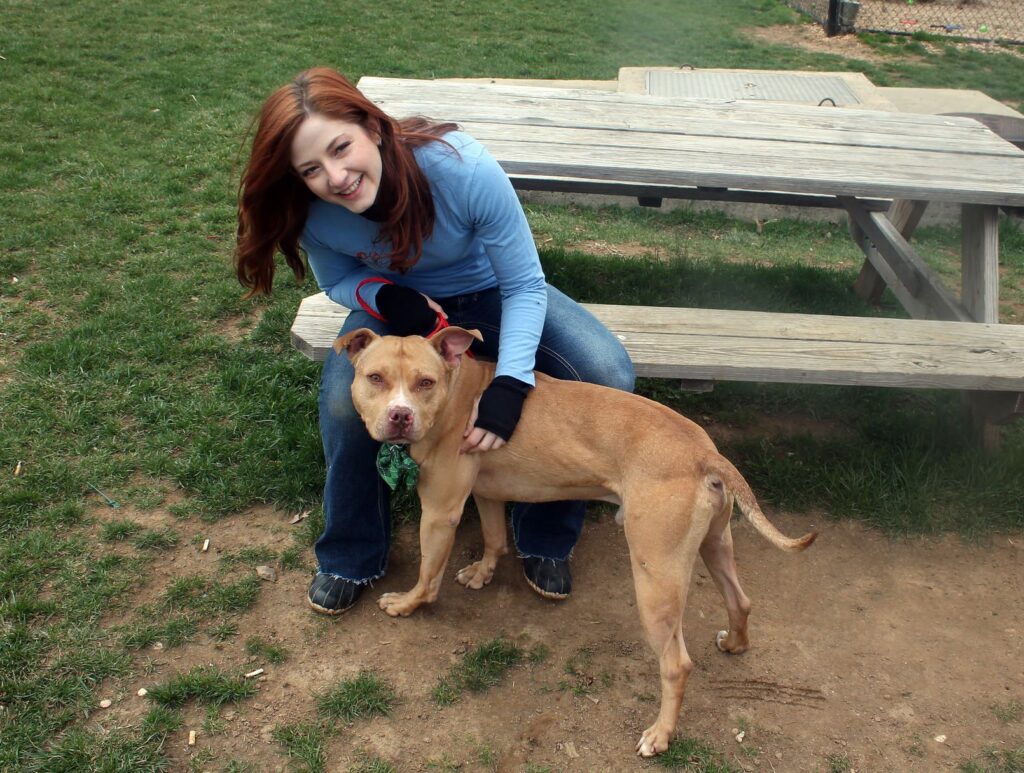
(402, 383)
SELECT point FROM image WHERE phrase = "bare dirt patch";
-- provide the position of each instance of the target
(863, 648)
(811, 37)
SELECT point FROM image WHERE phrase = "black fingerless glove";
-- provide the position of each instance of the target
(406, 311)
(501, 404)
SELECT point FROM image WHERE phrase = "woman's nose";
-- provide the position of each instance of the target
(336, 174)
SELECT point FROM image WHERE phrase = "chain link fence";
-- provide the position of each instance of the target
(1000, 21)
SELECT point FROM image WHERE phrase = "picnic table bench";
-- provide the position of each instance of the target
(882, 168)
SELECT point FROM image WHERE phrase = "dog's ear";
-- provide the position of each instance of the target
(452, 342)
(354, 342)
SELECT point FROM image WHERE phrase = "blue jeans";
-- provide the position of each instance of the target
(357, 511)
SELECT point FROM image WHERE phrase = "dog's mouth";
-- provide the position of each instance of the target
(397, 434)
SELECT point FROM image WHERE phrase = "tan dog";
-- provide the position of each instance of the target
(574, 441)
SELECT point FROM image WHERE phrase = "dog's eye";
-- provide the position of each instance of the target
(375, 378)
(426, 383)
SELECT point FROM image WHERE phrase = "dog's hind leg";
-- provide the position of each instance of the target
(661, 575)
(492, 523)
(718, 555)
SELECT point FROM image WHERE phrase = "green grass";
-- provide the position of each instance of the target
(479, 669)
(248, 557)
(364, 696)
(274, 654)
(173, 632)
(129, 362)
(1011, 711)
(994, 761)
(205, 684)
(371, 764)
(303, 742)
(692, 755)
(209, 596)
(118, 531)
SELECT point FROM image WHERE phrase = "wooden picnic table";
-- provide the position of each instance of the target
(882, 168)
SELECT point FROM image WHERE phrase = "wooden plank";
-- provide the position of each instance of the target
(636, 190)
(905, 215)
(916, 286)
(717, 162)
(718, 118)
(703, 344)
(979, 263)
(979, 267)
(614, 137)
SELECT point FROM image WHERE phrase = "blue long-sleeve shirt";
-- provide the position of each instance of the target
(480, 240)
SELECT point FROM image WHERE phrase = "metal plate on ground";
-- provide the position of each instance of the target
(764, 86)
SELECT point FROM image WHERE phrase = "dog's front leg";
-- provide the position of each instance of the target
(437, 535)
(492, 523)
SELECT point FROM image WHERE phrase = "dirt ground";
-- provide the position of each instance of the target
(863, 648)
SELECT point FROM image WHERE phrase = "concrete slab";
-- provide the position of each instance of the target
(942, 101)
(637, 80)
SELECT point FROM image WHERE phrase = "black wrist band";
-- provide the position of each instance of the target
(501, 405)
(406, 311)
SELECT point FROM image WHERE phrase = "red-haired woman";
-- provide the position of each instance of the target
(425, 207)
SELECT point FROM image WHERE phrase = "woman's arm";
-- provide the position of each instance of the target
(501, 226)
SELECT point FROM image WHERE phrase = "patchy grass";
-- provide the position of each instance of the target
(173, 632)
(995, 761)
(693, 755)
(274, 654)
(303, 742)
(481, 668)
(365, 696)
(205, 684)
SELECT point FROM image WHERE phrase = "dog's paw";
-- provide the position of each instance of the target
(476, 575)
(730, 644)
(398, 604)
(653, 741)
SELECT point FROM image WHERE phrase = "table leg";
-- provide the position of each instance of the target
(905, 214)
(979, 293)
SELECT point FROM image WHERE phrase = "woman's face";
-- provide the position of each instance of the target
(339, 161)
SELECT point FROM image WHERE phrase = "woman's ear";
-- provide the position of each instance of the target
(373, 129)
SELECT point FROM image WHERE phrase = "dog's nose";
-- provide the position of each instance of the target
(401, 417)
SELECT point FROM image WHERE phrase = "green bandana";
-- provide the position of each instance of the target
(394, 464)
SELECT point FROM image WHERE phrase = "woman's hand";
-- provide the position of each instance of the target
(476, 439)
(407, 311)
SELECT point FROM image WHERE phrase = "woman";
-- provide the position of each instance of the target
(405, 222)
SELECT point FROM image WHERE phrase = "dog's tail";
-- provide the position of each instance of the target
(720, 472)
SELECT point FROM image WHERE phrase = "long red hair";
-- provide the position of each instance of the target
(273, 201)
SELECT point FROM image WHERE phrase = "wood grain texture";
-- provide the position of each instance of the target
(590, 135)
(707, 344)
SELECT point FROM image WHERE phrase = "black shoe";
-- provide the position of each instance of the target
(548, 576)
(333, 595)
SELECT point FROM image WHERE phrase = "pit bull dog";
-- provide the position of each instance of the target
(573, 441)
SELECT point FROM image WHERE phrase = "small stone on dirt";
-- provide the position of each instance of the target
(940, 739)
(570, 749)
(266, 573)
(106, 703)
(142, 692)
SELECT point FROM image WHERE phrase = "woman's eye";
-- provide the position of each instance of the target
(309, 171)
(338, 150)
